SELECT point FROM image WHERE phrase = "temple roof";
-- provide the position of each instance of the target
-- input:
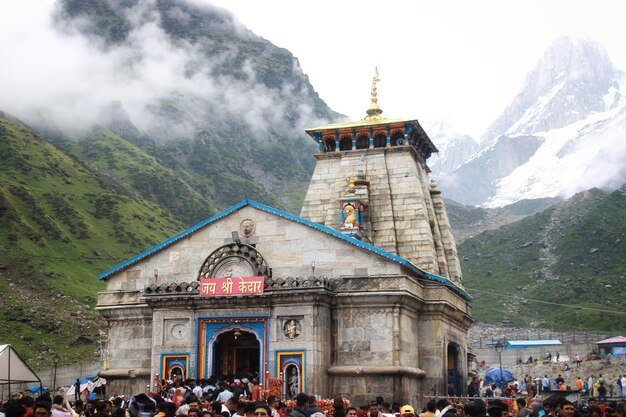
(377, 123)
(616, 339)
(408, 125)
(320, 227)
(364, 123)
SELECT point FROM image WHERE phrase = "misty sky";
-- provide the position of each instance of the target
(457, 60)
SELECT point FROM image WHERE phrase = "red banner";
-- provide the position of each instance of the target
(210, 287)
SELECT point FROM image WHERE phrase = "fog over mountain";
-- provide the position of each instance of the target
(170, 71)
(184, 81)
(563, 133)
(174, 67)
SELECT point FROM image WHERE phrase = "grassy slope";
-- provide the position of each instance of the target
(572, 253)
(140, 174)
(61, 223)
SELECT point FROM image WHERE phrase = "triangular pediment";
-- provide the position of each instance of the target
(288, 242)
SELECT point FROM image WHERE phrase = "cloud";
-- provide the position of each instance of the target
(162, 83)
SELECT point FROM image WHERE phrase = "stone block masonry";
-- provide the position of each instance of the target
(406, 215)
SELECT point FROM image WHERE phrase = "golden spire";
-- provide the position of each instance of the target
(374, 111)
(351, 186)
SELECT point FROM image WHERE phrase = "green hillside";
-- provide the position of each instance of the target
(62, 222)
(74, 202)
(140, 174)
(571, 253)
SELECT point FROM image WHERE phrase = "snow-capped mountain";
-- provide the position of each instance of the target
(563, 133)
(454, 147)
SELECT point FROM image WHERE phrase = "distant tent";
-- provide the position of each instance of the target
(87, 385)
(13, 369)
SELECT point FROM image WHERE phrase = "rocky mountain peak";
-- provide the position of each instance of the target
(573, 79)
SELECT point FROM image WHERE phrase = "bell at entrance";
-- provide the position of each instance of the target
(236, 353)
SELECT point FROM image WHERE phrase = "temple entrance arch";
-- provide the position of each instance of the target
(217, 343)
(236, 351)
(176, 373)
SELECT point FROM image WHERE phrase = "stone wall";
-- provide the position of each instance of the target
(368, 323)
(509, 356)
(402, 217)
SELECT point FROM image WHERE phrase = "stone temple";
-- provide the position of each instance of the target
(361, 295)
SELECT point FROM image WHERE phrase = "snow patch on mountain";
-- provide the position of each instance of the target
(585, 154)
(454, 146)
(562, 133)
(535, 113)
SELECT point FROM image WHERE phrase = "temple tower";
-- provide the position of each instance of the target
(376, 168)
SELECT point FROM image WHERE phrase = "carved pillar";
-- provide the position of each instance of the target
(407, 130)
(337, 144)
(444, 374)
(353, 140)
(334, 323)
(396, 335)
(371, 137)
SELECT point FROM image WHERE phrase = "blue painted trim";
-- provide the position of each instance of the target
(211, 328)
(294, 218)
(187, 356)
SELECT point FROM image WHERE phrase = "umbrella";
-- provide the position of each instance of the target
(500, 378)
(37, 389)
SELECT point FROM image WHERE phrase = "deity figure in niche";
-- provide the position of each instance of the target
(349, 221)
(291, 329)
(293, 381)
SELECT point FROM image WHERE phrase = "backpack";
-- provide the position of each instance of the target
(142, 406)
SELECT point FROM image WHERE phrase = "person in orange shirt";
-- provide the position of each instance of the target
(256, 390)
(562, 386)
(580, 385)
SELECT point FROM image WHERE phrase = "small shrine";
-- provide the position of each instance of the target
(352, 211)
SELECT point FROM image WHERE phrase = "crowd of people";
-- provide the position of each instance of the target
(244, 398)
(593, 386)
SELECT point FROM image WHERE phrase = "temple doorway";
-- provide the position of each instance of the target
(236, 353)
(176, 373)
(454, 378)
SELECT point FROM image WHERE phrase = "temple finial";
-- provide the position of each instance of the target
(374, 111)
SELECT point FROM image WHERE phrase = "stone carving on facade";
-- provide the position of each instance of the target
(292, 328)
(233, 267)
(176, 331)
(247, 227)
(236, 259)
(299, 282)
(130, 323)
(352, 210)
